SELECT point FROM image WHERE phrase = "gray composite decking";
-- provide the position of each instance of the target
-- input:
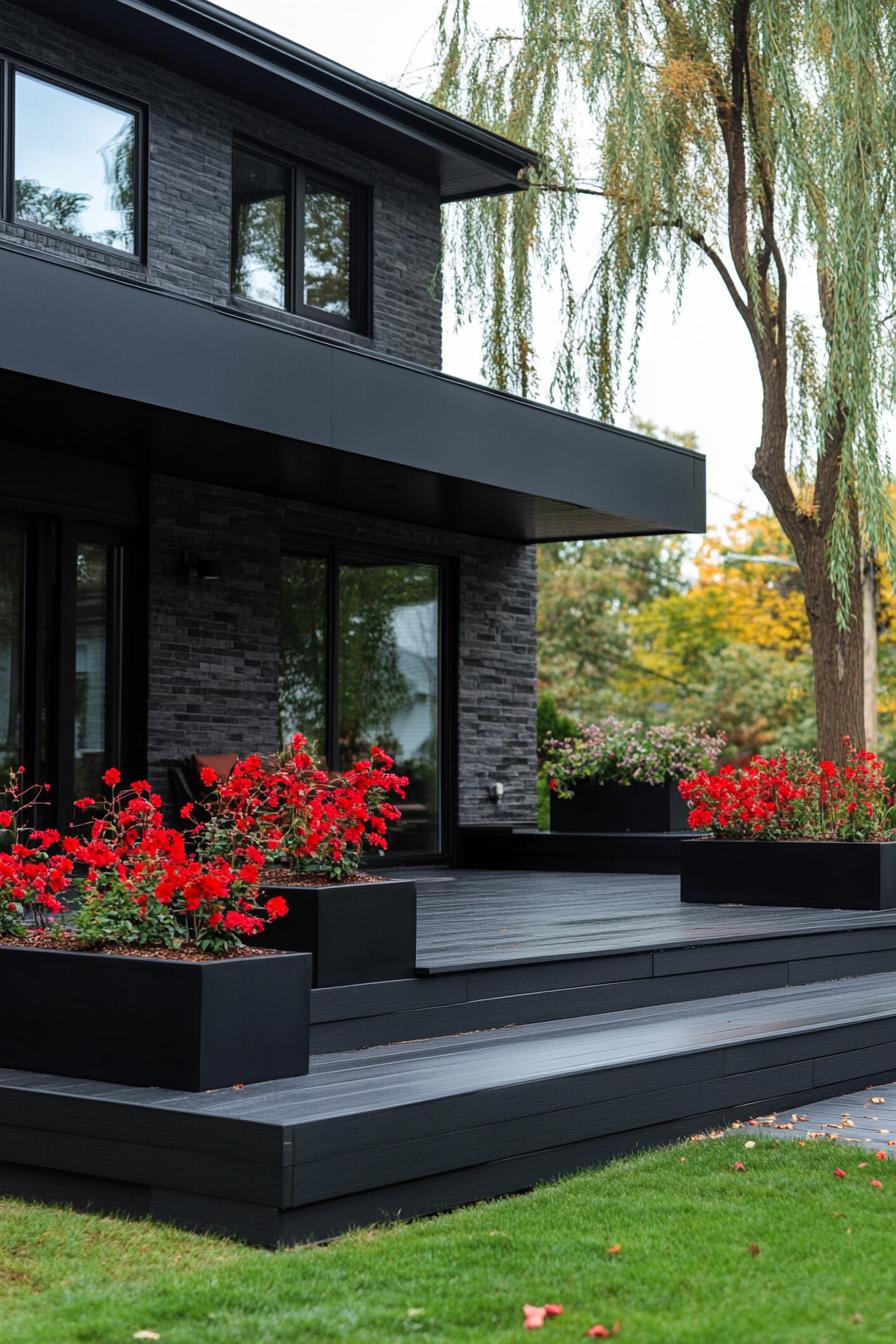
(411, 1128)
(472, 919)
(502, 948)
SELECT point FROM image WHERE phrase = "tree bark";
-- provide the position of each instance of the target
(837, 654)
(869, 625)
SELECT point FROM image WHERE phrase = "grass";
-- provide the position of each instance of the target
(784, 1251)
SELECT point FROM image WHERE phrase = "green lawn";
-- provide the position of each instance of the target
(782, 1253)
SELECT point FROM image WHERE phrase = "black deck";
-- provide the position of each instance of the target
(413, 1128)
(496, 949)
(618, 1019)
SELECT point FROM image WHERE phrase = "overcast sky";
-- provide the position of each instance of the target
(695, 374)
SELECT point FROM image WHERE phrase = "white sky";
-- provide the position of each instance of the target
(695, 374)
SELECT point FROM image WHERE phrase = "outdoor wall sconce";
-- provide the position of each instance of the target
(496, 793)
(196, 568)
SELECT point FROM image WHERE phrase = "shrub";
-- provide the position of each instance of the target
(285, 811)
(794, 797)
(34, 870)
(615, 752)
(143, 887)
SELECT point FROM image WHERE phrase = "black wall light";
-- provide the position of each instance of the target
(199, 568)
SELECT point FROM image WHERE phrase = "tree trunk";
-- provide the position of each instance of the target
(837, 655)
(869, 622)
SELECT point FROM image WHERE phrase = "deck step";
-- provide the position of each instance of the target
(407, 1129)
(502, 949)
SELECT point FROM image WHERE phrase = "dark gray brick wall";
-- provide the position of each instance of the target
(214, 646)
(191, 134)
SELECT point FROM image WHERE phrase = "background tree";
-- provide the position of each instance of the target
(750, 135)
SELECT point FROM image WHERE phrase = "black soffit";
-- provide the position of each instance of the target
(228, 53)
(199, 391)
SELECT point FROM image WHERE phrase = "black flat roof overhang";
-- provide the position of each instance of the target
(226, 52)
(132, 373)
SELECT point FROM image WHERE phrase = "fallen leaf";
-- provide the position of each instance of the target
(849, 1124)
(146, 1334)
(878, 1101)
(736, 1124)
(598, 1332)
(862, 1164)
(754, 1250)
(750, 1143)
(883, 1131)
(882, 1156)
(238, 1087)
(533, 1317)
(878, 1185)
(414, 1312)
(615, 1248)
(553, 1309)
(738, 1166)
(856, 1318)
(838, 1171)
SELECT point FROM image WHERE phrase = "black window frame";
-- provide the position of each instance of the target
(10, 65)
(360, 241)
(337, 553)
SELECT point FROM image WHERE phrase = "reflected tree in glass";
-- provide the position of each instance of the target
(74, 163)
(260, 188)
(328, 250)
(11, 572)
(91, 655)
(389, 683)
(303, 649)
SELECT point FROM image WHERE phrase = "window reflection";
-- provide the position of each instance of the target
(303, 650)
(260, 191)
(389, 683)
(11, 574)
(91, 661)
(75, 163)
(328, 250)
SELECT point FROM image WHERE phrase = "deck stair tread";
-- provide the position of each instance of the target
(414, 1073)
(475, 920)
(418, 1126)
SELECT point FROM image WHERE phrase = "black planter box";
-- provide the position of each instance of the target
(356, 931)
(620, 807)
(190, 1026)
(822, 874)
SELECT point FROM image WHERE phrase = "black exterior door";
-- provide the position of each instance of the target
(66, 689)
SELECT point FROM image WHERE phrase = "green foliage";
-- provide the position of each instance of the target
(782, 1251)
(750, 135)
(551, 722)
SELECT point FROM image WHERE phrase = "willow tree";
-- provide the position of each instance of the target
(756, 137)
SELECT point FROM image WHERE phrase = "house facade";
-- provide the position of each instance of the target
(238, 496)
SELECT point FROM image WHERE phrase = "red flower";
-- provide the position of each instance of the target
(276, 907)
(208, 776)
(6, 818)
(838, 1171)
(112, 777)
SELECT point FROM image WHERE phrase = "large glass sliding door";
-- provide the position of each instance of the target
(61, 600)
(361, 663)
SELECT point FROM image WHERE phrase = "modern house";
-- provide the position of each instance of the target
(238, 495)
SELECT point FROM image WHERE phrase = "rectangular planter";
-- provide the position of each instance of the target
(620, 807)
(190, 1026)
(821, 874)
(356, 932)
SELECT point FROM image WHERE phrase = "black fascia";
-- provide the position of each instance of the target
(284, 412)
(226, 52)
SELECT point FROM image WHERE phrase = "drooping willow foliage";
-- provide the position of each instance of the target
(754, 136)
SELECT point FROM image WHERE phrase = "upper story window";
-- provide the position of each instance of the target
(300, 239)
(72, 161)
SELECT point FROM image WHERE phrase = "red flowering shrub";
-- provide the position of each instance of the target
(286, 811)
(34, 870)
(793, 798)
(143, 887)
